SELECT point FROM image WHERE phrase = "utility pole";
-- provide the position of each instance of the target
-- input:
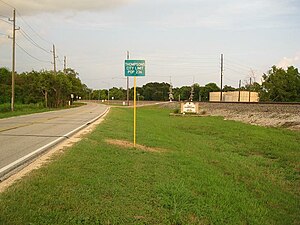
(253, 75)
(54, 60)
(171, 97)
(65, 63)
(127, 83)
(239, 98)
(192, 93)
(13, 60)
(221, 96)
(108, 97)
(192, 90)
(250, 90)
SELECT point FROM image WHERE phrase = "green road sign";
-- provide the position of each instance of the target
(134, 68)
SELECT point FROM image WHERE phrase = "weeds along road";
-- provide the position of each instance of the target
(23, 138)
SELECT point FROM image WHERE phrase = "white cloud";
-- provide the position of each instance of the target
(32, 7)
(286, 61)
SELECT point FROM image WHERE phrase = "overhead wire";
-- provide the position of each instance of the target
(3, 34)
(238, 64)
(239, 72)
(28, 37)
(229, 65)
(7, 4)
(6, 21)
(59, 60)
(7, 17)
(24, 34)
(42, 38)
(44, 61)
(229, 79)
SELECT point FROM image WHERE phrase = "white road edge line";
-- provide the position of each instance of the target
(5, 170)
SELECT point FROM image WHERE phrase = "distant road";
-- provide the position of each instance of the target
(24, 137)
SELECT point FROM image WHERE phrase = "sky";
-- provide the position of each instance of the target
(180, 40)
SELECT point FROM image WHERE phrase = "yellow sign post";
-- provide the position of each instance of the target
(134, 113)
(134, 68)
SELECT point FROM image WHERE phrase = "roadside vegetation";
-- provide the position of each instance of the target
(204, 171)
(278, 85)
(21, 109)
(42, 87)
(39, 91)
(24, 109)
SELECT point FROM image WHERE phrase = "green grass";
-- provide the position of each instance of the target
(24, 109)
(212, 172)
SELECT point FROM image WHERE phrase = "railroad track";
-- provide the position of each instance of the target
(258, 103)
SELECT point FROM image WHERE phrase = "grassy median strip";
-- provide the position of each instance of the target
(204, 171)
(21, 109)
(25, 109)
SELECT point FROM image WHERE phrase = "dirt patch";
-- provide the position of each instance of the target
(275, 115)
(270, 115)
(49, 155)
(127, 144)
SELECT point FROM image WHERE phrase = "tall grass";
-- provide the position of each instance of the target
(210, 172)
(24, 109)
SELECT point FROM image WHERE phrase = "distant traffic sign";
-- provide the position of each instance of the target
(134, 68)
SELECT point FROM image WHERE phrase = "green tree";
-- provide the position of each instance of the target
(185, 92)
(44, 87)
(154, 91)
(116, 93)
(210, 87)
(228, 88)
(281, 85)
(5, 85)
(197, 93)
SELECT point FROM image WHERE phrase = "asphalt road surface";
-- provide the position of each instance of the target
(24, 137)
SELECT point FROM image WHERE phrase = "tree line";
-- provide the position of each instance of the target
(55, 90)
(45, 87)
(278, 85)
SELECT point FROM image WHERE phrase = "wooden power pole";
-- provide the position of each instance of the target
(221, 95)
(65, 63)
(239, 98)
(13, 61)
(54, 60)
(250, 89)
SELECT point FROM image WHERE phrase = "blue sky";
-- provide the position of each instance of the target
(180, 40)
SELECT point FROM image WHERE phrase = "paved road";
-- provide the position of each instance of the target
(24, 136)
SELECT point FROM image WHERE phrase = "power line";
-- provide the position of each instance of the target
(7, 4)
(32, 41)
(244, 74)
(3, 34)
(238, 71)
(42, 38)
(6, 21)
(44, 61)
(59, 60)
(229, 79)
(7, 17)
(238, 68)
(239, 64)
